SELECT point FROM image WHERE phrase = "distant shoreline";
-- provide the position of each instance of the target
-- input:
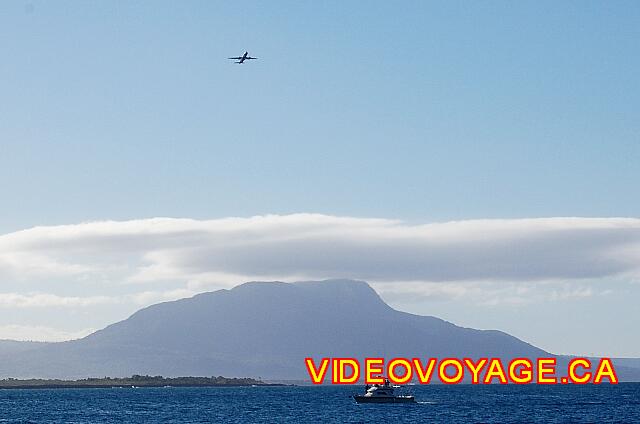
(135, 381)
(97, 386)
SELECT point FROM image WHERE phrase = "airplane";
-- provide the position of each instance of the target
(242, 58)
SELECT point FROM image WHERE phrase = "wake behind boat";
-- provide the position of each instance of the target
(382, 393)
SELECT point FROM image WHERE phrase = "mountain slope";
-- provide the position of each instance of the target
(14, 347)
(260, 330)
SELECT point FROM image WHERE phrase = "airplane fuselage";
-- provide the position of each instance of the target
(243, 58)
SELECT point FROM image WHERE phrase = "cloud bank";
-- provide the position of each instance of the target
(231, 250)
(52, 275)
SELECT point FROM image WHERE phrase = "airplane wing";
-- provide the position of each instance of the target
(249, 57)
(235, 58)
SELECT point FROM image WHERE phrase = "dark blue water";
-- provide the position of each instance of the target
(436, 404)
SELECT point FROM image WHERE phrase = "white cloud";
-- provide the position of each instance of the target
(487, 293)
(210, 252)
(32, 264)
(38, 300)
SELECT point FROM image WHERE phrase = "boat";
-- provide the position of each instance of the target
(382, 393)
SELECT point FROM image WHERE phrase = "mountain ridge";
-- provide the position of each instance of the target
(259, 329)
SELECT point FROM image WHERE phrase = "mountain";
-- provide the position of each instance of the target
(259, 329)
(13, 347)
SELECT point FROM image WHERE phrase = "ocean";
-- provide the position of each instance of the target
(329, 404)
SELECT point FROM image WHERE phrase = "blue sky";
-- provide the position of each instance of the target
(419, 111)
